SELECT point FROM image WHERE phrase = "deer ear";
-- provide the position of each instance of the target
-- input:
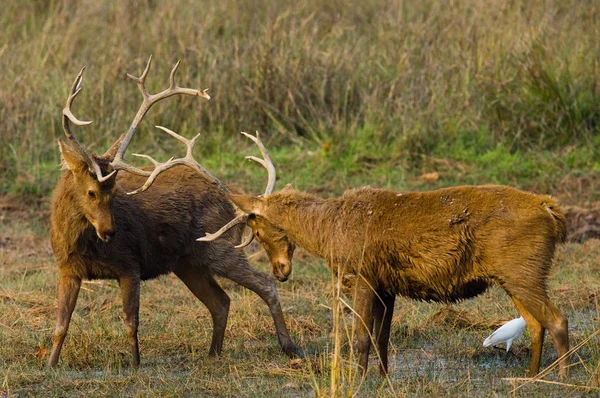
(112, 151)
(287, 188)
(71, 159)
(248, 204)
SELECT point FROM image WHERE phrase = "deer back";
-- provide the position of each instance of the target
(440, 245)
(153, 230)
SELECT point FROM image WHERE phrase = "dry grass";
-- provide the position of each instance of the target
(404, 95)
(435, 349)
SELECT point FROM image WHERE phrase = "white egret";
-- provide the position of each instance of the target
(506, 333)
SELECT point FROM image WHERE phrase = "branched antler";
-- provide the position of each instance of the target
(160, 167)
(267, 164)
(147, 102)
(68, 118)
(240, 219)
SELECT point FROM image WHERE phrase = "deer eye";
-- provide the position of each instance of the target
(92, 194)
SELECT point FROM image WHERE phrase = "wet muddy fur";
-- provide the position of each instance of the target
(444, 245)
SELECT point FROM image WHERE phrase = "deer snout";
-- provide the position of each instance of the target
(104, 226)
(281, 270)
(105, 232)
(106, 236)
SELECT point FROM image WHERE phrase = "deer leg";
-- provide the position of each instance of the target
(383, 310)
(559, 330)
(263, 285)
(537, 332)
(130, 294)
(68, 290)
(208, 291)
(378, 314)
(363, 305)
(540, 308)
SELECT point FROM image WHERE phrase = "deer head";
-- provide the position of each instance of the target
(94, 195)
(273, 239)
(95, 176)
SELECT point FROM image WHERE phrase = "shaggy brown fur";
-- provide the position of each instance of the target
(444, 245)
(100, 232)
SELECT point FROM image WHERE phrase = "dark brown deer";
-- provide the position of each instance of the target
(99, 231)
(444, 246)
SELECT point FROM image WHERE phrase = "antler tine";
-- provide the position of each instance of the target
(172, 76)
(141, 81)
(242, 218)
(148, 157)
(159, 167)
(69, 117)
(147, 102)
(265, 162)
(68, 114)
(75, 89)
(246, 240)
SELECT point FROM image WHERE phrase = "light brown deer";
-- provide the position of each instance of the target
(99, 231)
(445, 245)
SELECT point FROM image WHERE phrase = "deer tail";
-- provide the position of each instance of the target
(558, 217)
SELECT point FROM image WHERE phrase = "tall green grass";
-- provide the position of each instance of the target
(391, 84)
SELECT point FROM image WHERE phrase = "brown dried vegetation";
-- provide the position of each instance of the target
(582, 223)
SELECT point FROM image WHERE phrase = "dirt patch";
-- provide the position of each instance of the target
(577, 189)
(582, 223)
(4, 241)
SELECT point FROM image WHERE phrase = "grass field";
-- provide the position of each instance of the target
(400, 95)
(435, 349)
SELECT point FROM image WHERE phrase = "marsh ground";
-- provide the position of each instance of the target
(435, 349)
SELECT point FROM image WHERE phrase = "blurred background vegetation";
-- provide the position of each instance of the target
(394, 94)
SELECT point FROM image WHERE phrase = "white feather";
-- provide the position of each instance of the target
(506, 333)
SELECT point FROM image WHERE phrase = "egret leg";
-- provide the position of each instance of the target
(508, 343)
(506, 352)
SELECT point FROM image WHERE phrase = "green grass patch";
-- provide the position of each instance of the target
(391, 89)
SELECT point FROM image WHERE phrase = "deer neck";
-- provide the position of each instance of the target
(68, 223)
(310, 223)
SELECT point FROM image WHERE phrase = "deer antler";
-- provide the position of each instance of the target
(272, 176)
(242, 218)
(266, 162)
(147, 102)
(159, 167)
(68, 118)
